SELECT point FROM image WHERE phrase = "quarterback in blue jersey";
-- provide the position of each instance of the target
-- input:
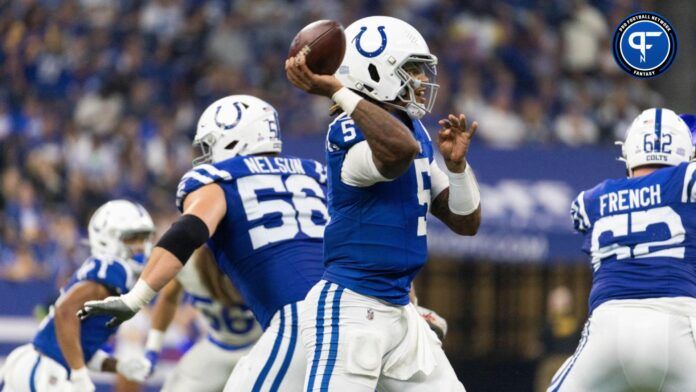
(359, 328)
(120, 232)
(262, 216)
(640, 233)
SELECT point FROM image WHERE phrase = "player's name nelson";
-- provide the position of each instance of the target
(628, 199)
(273, 165)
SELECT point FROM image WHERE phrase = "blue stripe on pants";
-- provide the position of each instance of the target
(32, 376)
(319, 337)
(291, 349)
(274, 352)
(333, 347)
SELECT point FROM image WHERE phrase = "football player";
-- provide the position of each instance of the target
(263, 216)
(120, 234)
(360, 331)
(640, 233)
(231, 327)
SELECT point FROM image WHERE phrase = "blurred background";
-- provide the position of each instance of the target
(99, 100)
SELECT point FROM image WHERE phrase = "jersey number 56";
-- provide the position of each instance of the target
(297, 214)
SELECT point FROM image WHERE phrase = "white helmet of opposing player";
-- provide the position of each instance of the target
(116, 223)
(382, 55)
(237, 125)
(657, 136)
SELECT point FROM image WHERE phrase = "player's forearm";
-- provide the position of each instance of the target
(160, 269)
(109, 365)
(166, 306)
(392, 144)
(68, 331)
(461, 224)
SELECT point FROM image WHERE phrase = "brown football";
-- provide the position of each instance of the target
(327, 45)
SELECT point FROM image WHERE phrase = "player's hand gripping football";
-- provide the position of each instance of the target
(111, 306)
(453, 141)
(302, 77)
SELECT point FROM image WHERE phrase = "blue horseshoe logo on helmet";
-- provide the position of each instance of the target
(227, 127)
(373, 53)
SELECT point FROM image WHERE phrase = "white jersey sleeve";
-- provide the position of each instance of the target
(438, 180)
(359, 169)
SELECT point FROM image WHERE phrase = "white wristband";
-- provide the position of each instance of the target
(154, 340)
(464, 196)
(140, 295)
(95, 363)
(79, 374)
(346, 99)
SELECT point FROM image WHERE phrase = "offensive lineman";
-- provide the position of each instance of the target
(359, 329)
(120, 232)
(231, 327)
(263, 216)
(641, 236)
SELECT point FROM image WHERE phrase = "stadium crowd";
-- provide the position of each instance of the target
(98, 98)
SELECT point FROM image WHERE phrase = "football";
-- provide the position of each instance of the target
(327, 45)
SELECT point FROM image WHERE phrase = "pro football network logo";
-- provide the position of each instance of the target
(645, 44)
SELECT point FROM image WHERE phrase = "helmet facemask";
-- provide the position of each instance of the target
(413, 87)
(137, 245)
(205, 144)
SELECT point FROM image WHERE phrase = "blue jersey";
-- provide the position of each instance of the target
(376, 240)
(641, 235)
(113, 274)
(270, 241)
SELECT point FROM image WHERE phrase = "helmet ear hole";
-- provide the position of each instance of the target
(231, 145)
(374, 74)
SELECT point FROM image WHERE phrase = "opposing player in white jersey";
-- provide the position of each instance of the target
(231, 326)
(360, 331)
(640, 233)
(262, 215)
(64, 348)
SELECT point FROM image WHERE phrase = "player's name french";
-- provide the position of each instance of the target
(628, 199)
(274, 165)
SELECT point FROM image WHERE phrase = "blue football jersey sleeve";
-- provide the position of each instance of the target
(198, 177)
(343, 134)
(113, 274)
(269, 243)
(581, 222)
(640, 234)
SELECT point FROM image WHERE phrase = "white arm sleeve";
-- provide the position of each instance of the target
(359, 168)
(438, 180)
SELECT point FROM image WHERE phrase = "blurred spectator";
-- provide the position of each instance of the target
(574, 128)
(559, 336)
(582, 35)
(500, 126)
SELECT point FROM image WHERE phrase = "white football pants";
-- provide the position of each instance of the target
(634, 345)
(357, 343)
(276, 362)
(26, 370)
(205, 367)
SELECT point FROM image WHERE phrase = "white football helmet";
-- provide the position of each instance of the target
(382, 53)
(657, 136)
(237, 125)
(118, 221)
